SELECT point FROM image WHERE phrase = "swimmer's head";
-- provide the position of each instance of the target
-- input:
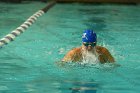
(89, 39)
(89, 36)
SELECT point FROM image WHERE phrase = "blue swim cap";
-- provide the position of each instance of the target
(89, 36)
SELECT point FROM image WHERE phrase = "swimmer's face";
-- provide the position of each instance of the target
(89, 46)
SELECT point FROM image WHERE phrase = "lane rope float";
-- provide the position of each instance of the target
(11, 36)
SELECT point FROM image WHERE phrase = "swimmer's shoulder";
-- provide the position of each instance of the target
(73, 55)
(78, 49)
(105, 53)
(101, 49)
(75, 51)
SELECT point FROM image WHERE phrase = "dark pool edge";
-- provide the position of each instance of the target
(80, 1)
(126, 2)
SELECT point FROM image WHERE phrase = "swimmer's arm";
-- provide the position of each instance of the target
(73, 55)
(69, 56)
(108, 57)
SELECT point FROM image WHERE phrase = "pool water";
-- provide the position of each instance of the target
(29, 64)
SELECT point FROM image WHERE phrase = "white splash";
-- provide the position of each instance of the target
(90, 58)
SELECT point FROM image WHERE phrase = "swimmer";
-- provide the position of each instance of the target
(89, 46)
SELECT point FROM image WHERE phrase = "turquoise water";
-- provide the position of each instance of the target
(29, 63)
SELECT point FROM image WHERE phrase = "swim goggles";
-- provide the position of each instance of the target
(89, 44)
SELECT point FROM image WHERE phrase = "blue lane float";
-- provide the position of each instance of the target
(22, 28)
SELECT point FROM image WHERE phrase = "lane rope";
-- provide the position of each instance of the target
(22, 28)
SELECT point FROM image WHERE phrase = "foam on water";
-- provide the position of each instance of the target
(90, 58)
